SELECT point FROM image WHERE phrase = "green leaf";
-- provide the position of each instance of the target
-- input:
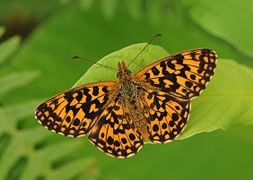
(23, 143)
(208, 112)
(20, 157)
(8, 47)
(73, 168)
(40, 162)
(229, 20)
(9, 119)
(15, 80)
(99, 73)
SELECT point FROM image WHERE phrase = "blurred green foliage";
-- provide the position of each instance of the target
(23, 154)
(228, 19)
(42, 67)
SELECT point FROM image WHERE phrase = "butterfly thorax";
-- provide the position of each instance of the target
(129, 94)
(125, 79)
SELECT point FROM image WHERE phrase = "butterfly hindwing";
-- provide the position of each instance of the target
(167, 115)
(74, 112)
(184, 74)
(114, 134)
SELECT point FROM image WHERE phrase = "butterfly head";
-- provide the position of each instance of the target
(123, 73)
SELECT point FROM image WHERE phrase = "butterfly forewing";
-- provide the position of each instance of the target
(74, 112)
(184, 74)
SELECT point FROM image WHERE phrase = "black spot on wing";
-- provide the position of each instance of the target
(155, 71)
(95, 91)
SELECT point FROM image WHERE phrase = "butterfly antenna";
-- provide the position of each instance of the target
(76, 57)
(158, 35)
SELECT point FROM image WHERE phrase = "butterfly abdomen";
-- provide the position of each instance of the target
(137, 115)
(140, 123)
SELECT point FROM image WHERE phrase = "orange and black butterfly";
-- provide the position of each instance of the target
(152, 105)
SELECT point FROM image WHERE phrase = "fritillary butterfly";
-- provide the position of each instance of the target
(152, 105)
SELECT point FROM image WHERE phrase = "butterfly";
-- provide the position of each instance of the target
(118, 116)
